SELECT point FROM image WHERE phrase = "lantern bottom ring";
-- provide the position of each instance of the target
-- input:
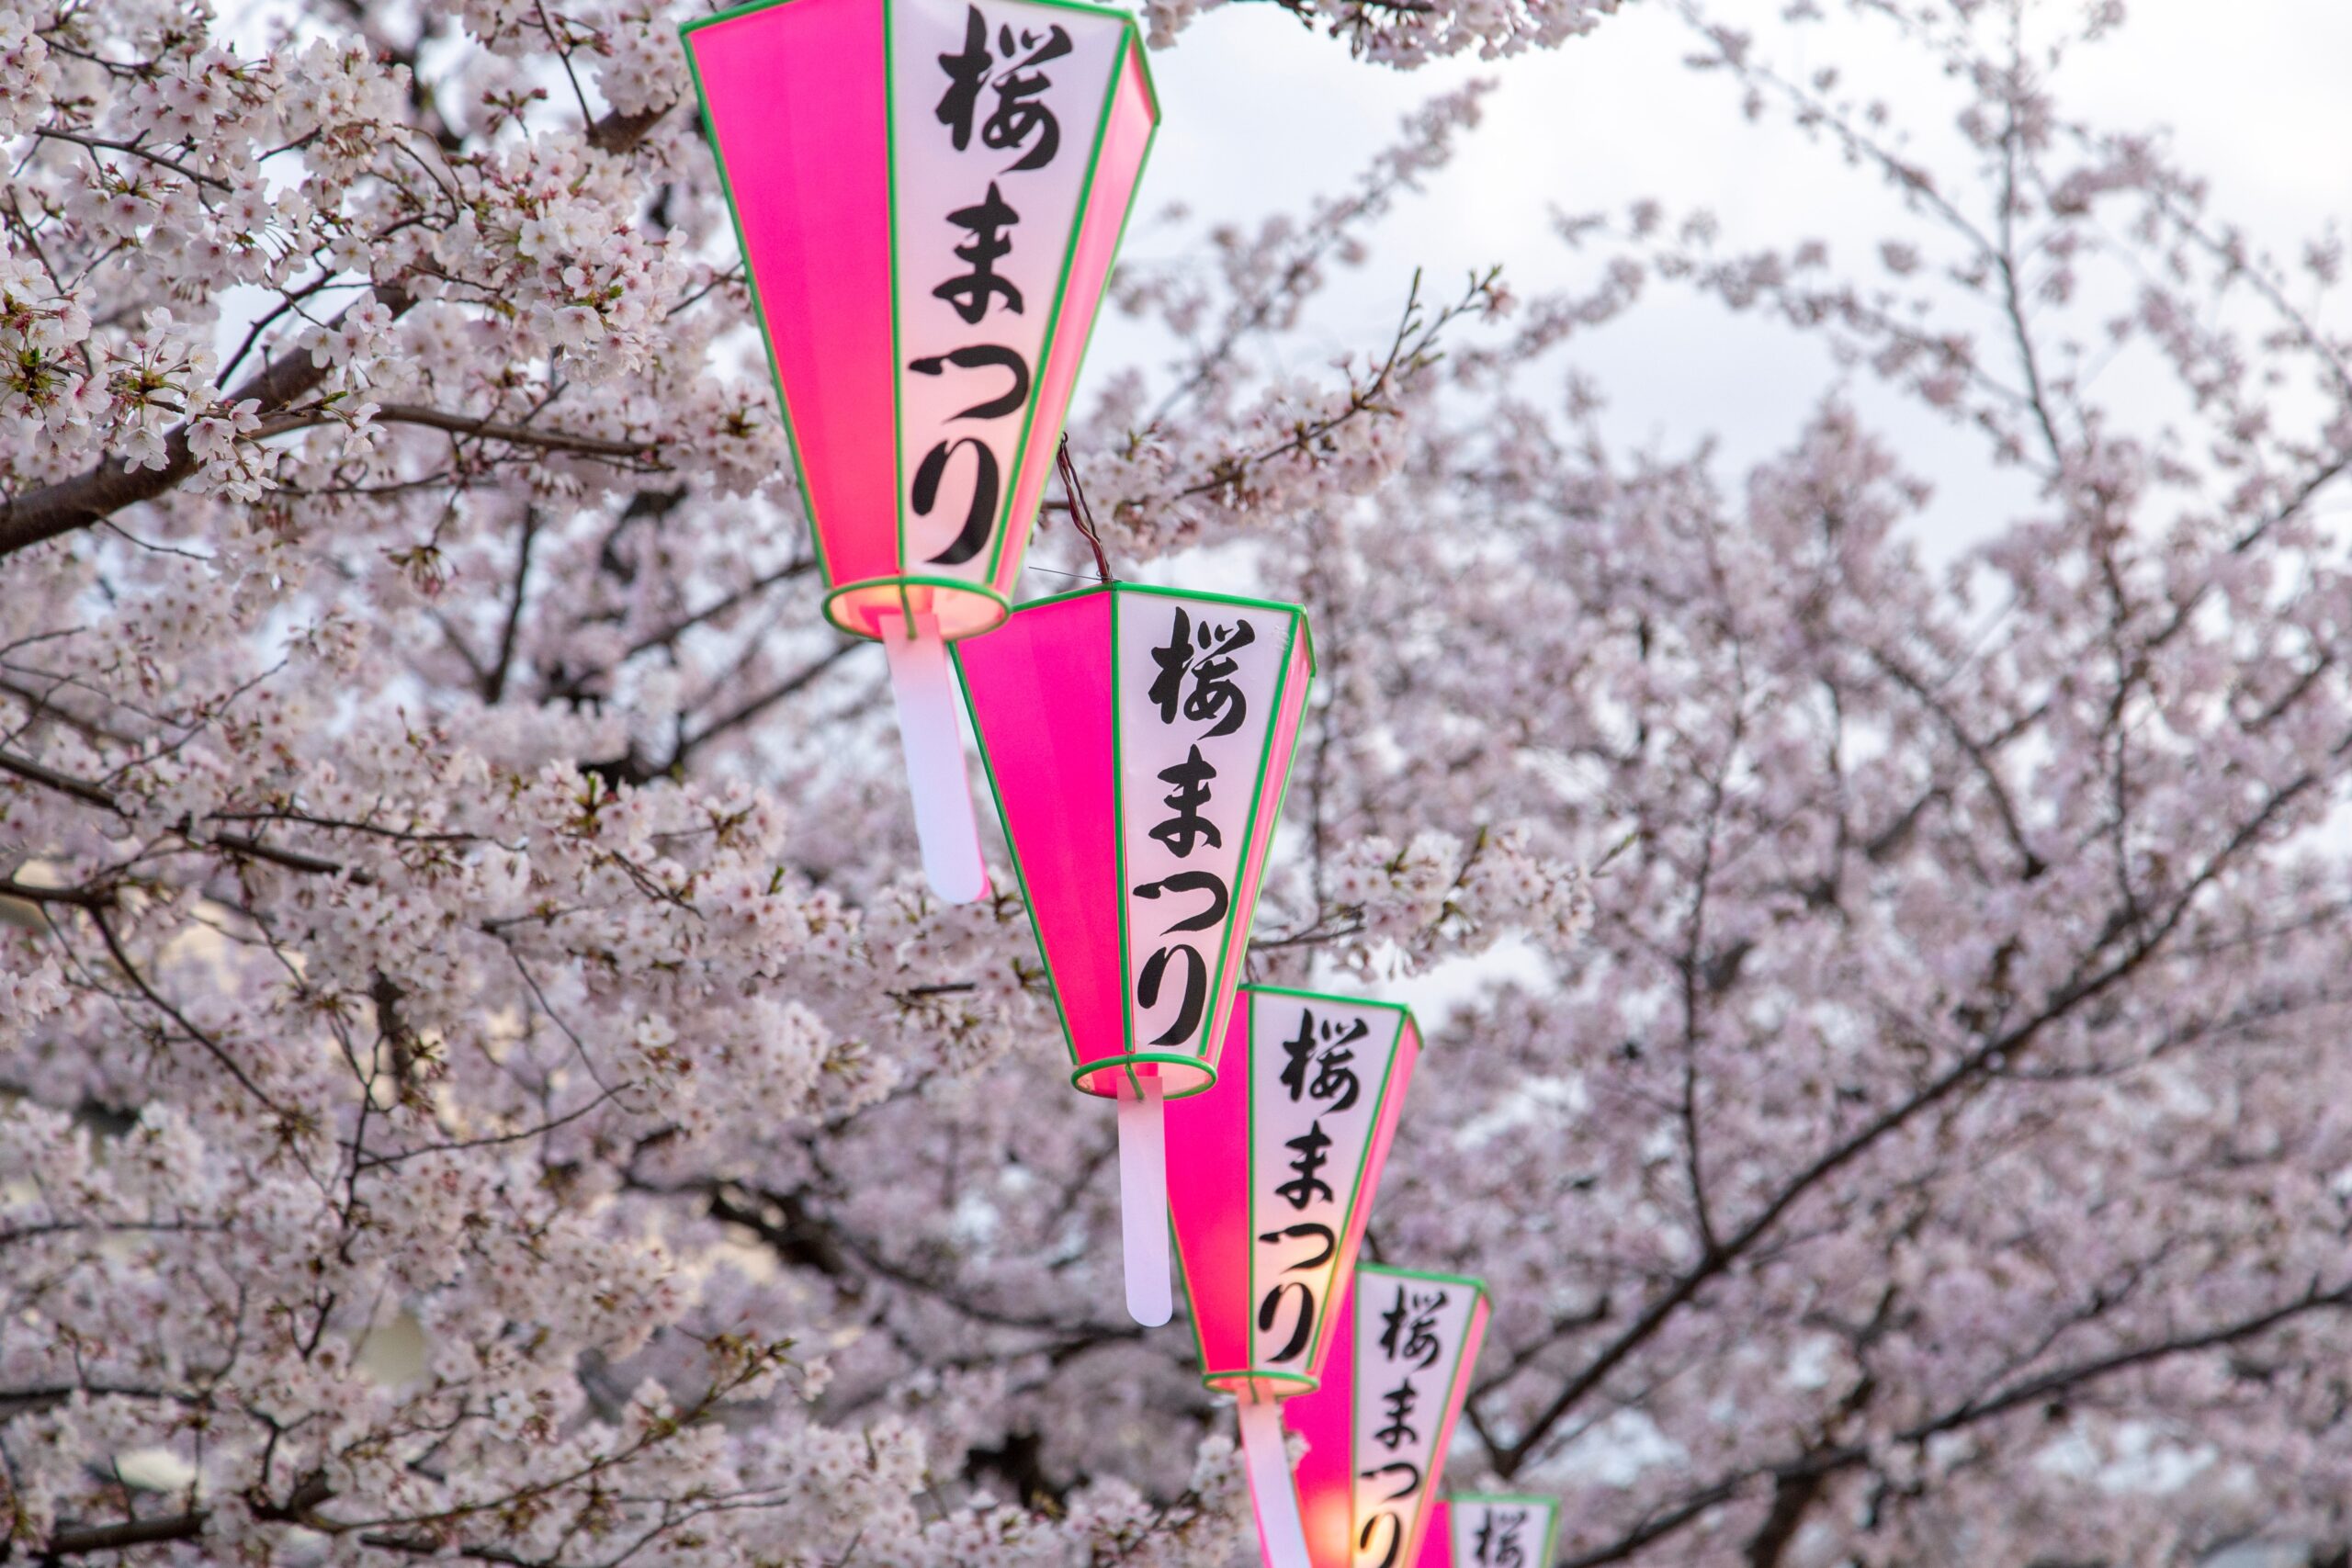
(1190, 1074)
(963, 608)
(1246, 1384)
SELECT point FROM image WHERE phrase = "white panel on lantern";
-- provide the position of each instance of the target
(1409, 1333)
(1197, 682)
(1319, 1072)
(1501, 1532)
(982, 232)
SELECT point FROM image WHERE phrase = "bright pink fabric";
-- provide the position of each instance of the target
(1326, 1419)
(1126, 140)
(795, 95)
(1437, 1547)
(1039, 688)
(1209, 1200)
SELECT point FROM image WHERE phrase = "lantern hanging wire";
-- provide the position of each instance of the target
(1082, 516)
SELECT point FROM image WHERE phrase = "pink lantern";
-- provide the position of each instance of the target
(1272, 1176)
(928, 194)
(1378, 1425)
(1486, 1530)
(1138, 740)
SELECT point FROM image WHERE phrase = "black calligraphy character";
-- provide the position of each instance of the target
(1398, 1403)
(1300, 1233)
(982, 356)
(1497, 1543)
(1334, 1078)
(1269, 1313)
(1300, 1052)
(1307, 1159)
(1270, 1308)
(1386, 1516)
(1407, 1468)
(1214, 694)
(979, 517)
(1180, 832)
(1017, 114)
(986, 220)
(1018, 118)
(1174, 658)
(967, 72)
(1415, 1323)
(1196, 985)
(1396, 1537)
(1206, 882)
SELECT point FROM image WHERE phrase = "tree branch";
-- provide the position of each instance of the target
(97, 896)
(64, 783)
(2088, 984)
(514, 435)
(75, 1540)
(92, 497)
(234, 843)
(1822, 1464)
(617, 133)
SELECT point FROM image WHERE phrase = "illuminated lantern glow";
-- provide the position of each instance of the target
(1380, 1421)
(1271, 1174)
(1138, 740)
(1486, 1530)
(928, 194)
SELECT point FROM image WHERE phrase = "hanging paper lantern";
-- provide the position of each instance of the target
(1484, 1530)
(1138, 740)
(928, 194)
(1271, 1175)
(1378, 1425)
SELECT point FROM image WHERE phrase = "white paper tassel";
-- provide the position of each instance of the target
(932, 738)
(1280, 1529)
(1143, 1200)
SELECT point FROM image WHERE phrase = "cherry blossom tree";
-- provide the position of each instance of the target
(478, 1078)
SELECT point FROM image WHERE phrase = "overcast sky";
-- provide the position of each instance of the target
(1258, 114)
